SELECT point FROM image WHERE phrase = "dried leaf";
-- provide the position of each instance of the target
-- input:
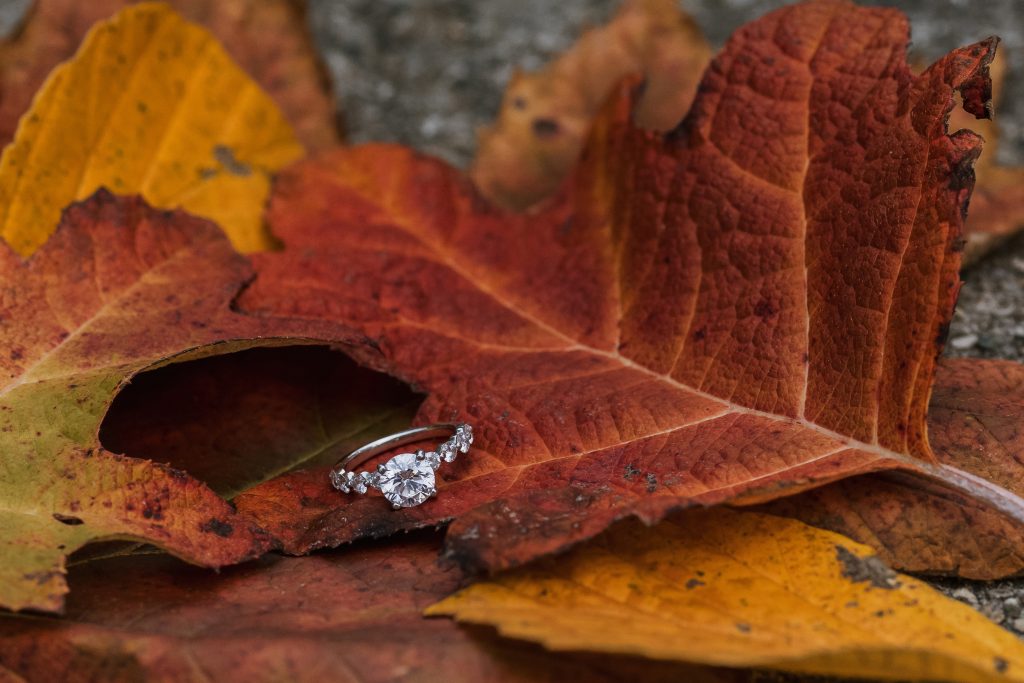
(742, 589)
(974, 422)
(118, 288)
(153, 105)
(353, 616)
(915, 526)
(268, 38)
(545, 116)
(739, 310)
(997, 205)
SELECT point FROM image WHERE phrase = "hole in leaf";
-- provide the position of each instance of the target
(239, 419)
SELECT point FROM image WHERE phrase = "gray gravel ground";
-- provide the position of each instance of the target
(428, 73)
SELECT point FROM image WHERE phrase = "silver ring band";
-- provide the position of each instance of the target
(407, 479)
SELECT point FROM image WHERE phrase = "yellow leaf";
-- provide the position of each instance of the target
(742, 589)
(149, 105)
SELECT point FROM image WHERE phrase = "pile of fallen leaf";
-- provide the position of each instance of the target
(693, 308)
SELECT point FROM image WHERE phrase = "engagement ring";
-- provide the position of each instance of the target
(407, 479)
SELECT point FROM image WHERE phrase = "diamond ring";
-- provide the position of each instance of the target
(407, 479)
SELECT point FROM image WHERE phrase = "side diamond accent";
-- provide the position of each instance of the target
(464, 438)
(446, 452)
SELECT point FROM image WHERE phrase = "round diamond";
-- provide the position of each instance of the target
(406, 481)
(464, 438)
(446, 451)
(338, 481)
(433, 458)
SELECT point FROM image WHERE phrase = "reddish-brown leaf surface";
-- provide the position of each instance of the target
(119, 287)
(545, 116)
(746, 307)
(268, 38)
(974, 423)
(354, 616)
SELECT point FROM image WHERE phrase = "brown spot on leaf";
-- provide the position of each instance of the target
(764, 309)
(219, 527)
(226, 156)
(871, 569)
(41, 578)
(546, 128)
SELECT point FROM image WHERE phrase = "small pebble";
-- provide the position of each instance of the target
(966, 595)
(1018, 625)
(964, 341)
(987, 342)
(1012, 607)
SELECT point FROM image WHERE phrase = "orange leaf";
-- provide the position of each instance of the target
(268, 38)
(742, 589)
(741, 309)
(545, 116)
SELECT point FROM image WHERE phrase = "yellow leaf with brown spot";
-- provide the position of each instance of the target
(742, 589)
(545, 115)
(149, 105)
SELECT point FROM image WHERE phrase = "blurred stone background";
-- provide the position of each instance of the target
(428, 73)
